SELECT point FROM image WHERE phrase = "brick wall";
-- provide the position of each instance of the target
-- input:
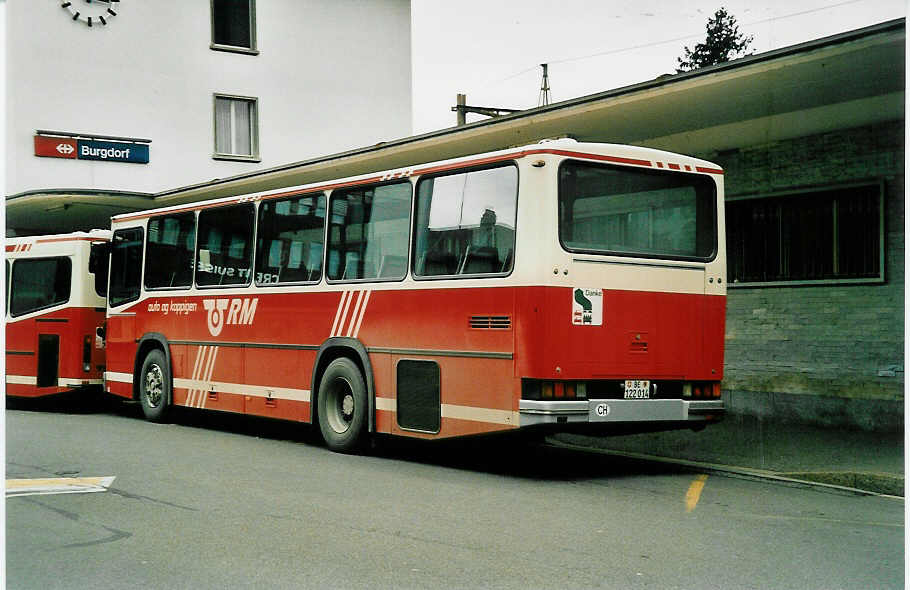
(842, 345)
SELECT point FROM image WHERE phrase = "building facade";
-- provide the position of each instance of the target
(815, 305)
(194, 91)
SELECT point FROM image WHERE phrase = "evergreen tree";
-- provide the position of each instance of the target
(724, 42)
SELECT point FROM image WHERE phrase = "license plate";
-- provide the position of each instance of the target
(637, 389)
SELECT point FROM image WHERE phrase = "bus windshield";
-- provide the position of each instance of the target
(627, 211)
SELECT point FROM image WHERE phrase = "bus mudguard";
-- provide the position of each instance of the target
(343, 346)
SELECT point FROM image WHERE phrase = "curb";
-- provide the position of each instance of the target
(802, 479)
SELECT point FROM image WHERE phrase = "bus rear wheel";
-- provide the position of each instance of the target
(155, 386)
(342, 406)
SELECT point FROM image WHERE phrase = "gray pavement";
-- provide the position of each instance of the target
(869, 461)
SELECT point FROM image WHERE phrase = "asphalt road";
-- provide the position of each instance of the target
(214, 501)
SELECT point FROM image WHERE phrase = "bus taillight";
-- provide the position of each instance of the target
(545, 390)
(87, 353)
(701, 390)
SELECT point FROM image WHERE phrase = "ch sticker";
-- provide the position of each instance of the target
(587, 307)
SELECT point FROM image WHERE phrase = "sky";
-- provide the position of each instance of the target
(491, 50)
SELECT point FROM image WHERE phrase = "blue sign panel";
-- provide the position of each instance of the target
(113, 151)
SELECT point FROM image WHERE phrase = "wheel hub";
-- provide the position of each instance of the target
(154, 386)
(347, 407)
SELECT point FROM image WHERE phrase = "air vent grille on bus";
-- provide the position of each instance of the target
(491, 322)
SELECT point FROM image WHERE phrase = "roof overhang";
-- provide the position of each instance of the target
(839, 82)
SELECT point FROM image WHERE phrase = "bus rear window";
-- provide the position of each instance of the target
(40, 283)
(627, 211)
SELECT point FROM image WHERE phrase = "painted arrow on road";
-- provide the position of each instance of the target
(59, 485)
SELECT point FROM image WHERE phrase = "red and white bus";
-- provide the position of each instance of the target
(55, 301)
(561, 286)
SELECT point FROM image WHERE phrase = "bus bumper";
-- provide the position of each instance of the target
(597, 411)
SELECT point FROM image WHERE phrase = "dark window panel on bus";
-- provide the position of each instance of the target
(466, 223)
(224, 254)
(290, 239)
(368, 232)
(826, 235)
(169, 251)
(40, 283)
(126, 266)
(626, 211)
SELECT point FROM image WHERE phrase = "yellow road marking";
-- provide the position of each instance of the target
(57, 485)
(694, 492)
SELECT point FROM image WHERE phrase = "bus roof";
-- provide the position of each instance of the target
(605, 152)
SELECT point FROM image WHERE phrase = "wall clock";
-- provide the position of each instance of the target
(92, 12)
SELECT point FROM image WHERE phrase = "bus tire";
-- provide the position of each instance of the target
(155, 386)
(342, 406)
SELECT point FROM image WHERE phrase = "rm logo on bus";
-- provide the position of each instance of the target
(238, 310)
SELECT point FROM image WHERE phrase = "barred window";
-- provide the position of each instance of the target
(827, 235)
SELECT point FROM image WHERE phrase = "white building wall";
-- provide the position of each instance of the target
(331, 75)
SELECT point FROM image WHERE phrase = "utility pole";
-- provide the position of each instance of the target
(461, 109)
(544, 98)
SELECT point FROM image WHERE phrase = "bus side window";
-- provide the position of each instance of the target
(126, 266)
(169, 252)
(368, 236)
(289, 240)
(225, 246)
(466, 223)
(99, 257)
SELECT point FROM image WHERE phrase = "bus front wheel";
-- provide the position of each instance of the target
(342, 406)
(155, 386)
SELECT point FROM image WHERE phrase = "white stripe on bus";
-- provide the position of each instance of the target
(77, 381)
(344, 296)
(284, 393)
(61, 382)
(355, 313)
(22, 379)
(196, 367)
(479, 414)
(118, 377)
(363, 311)
(208, 377)
(470, 413)
(344, 314)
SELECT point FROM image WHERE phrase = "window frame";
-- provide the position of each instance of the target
(326, 254)
(413, 237)
(18, 263)
(252, 245)
(110, 274)
(145, 256)
(251, 50)
(254, 156)
(640, 255)
(256, 251)
(796, 193)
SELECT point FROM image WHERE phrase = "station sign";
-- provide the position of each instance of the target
(91, 149)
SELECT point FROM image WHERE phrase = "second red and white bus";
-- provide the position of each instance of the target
(555, 286)
(55, 301)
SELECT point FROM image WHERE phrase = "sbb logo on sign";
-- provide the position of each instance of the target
(90, 149)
